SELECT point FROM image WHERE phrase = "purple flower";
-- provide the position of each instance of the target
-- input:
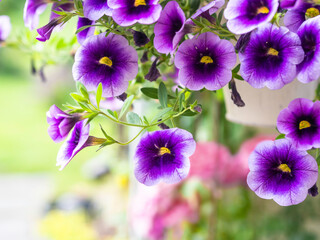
(88, 32)
(280, 172)
(32, 10)
(109, 60)
(300, 121)
(205, 61)
(270, 57)
(95, 9)
(290, 4)
(128, 12)
(245, 15)
(210, 8)
(309, 34)
(163, 155)
(5, 27)
(77, 140)
(60, 123)
(168, 30)
(46, 31)
(295, 17)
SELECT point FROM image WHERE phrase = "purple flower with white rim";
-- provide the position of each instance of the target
(32, 11)
(78, 139)
(168, 30)
(245, 15)
(309, 33)
(300, 122)
(270, 57)
(205, 62)
(280, 172)
(163, 156)
(95, 9)
(109, 60)
(128, 12)
(60, 123)
(290, 4)
(211, 8)
(85, 33)
(295, 17)
(5, 27)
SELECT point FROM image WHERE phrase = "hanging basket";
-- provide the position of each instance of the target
(262, 106)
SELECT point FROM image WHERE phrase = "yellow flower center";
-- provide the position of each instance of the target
(304, 124)
(138, 3)
(106, 61)
(164, 150)
(273, 52)
(284, 168)
(206, 60)
(263, 10)
(312, 12)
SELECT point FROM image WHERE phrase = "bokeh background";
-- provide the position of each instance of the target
(96, 197)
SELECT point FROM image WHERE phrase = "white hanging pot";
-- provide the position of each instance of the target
(262, 106)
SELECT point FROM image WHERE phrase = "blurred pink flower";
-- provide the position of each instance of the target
(214, 161)
(157, 208)
(204, 162)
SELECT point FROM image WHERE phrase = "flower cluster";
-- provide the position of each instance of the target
(128, 49)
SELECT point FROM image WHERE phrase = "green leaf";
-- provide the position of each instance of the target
(106, 143)
(237, 76)
(82, 28)
(133, 118)
(84, 107)
(127, 103)
(220, 17)
(91, 117)
(163, 95)
(99, 94)
(236, 69)
(145, 120)
(189, 113)
(162, 114)
(115, 114)
(105, 134)
(281, 136)
(150, 92)
(83, 90)
(181, 101)
(78, 98)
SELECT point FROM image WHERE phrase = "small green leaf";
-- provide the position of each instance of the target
(91, 117)
(84, 91)
(105, 134)
(84, 107)
(115, 114)
(181, 101)
(162, 114)
(82, 28)
(220, 17)
(127, 103)
(145, 120)
(236, 69)
(133, 118)
(99, 95)
(150, 92)
(189, 113)
(237, 76)
(78, 98)
(281, 136)
(163, 95)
